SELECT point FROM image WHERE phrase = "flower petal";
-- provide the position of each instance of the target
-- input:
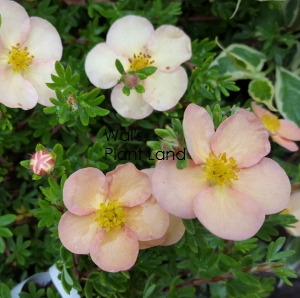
(266, 183)
(43, 41)
(85, 190)
(38, 75)
(258, 110)
(132, 106)
(176, 189)
(228, 214)
(77, 232)
(129, 35)
(169, 47)
(198, 131)
(151, 243)
(15, 24)
(243, 137)
(287, 144)
(115, 251)
(294, 209)
(147, 221)
(175, 231)
(16, 91)
(100, 66)
(164, 90)
(128, 185)
(288, 130)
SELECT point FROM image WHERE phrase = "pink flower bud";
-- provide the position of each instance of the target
(42, 163)
(131, 80)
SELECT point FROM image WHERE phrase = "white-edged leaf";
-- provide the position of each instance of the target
(287, 94)
(240, 61)
(291, 11)
(262, 90)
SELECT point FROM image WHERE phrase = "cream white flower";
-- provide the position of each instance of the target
(134, 42)
(29, 48)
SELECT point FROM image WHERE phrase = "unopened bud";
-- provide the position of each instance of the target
(131, 80)
(42, 163)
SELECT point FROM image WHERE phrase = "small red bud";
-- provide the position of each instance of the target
(131, 80)
(42, 163)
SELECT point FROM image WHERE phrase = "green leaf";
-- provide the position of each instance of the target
(4, 291)
(7, 219)
(25, 164)
(148, 71)
(273, 248)
(6, 233)
(140, 89)
(67, 276)
(126, 90)
(287, 94)
(59, 69)
(88, 289)
(149, 291)
(189, 225)
(262, 90)
(119, 67)
(182, 164)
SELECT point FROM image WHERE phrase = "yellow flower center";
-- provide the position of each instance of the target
(19, 58)
(140, 61)
(111, 215)
(219, 170)
(271, 122)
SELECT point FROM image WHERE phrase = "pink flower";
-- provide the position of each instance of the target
(108, 216)
(294, 209)
(174, 232)
(283, 132)
(229, 185)
(134, 42)
(29, 48)
(42, 162)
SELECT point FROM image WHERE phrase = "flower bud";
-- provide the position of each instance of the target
(42, 163)
(131, 80)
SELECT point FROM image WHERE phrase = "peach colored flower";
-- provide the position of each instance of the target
(282, 131)
(174, 232)
(29, 48)
(228, 185)
(294, 209)
(108, 215)
(134, 42)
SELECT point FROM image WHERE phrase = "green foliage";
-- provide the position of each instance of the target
(70, 103)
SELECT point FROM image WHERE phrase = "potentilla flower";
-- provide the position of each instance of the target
(108, 216)
(134, 42)
(294, 209)
(174, 232)
(29, 48)
(282, 131)
(228, 185)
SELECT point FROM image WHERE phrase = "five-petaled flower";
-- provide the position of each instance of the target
(228, 185)
(174, 232)
(294, 209)
(134, 42)
(108, 215)
(29, 48)
(282, 131)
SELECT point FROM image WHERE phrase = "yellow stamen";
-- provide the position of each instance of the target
(19, 58)
(140, 61)
(271, 122)
(111, 215)
(220, 169)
